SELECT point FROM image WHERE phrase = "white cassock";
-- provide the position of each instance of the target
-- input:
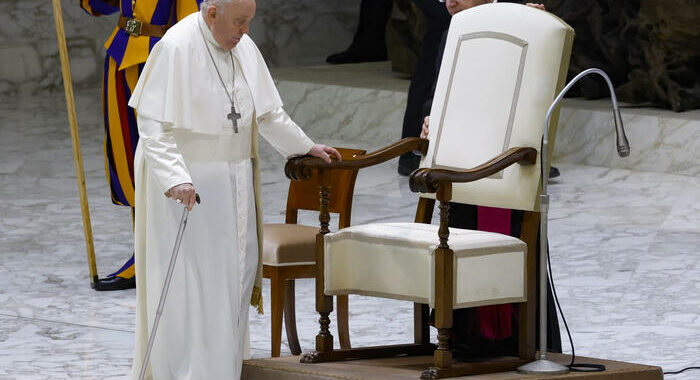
(185, 136)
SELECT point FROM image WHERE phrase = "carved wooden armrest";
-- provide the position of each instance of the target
(300, 168)
(428, 180)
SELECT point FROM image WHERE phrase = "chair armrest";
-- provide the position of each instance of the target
(427, 180)
(299, 168)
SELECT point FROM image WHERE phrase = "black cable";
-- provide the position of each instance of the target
(573, 367)
(680, 371)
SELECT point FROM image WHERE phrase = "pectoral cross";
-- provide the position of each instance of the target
(234, 116)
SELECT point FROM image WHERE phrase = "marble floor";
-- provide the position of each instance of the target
(625, 253)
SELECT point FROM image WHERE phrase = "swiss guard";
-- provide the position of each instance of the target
(141, 24)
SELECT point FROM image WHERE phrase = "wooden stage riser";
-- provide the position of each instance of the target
(404, 368)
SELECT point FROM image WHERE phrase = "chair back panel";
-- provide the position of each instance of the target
(303, 195)
(502, 67)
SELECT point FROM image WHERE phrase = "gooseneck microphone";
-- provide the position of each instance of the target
(623, 146)
(542, 365)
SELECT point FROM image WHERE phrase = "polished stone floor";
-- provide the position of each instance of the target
(625, 253)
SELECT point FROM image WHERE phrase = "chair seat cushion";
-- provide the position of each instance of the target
(396, 260)
(289, 244)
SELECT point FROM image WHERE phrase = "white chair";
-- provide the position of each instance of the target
(502, 67)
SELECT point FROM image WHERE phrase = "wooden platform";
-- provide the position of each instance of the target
(289, 368)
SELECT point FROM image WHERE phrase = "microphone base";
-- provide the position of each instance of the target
(543, 367)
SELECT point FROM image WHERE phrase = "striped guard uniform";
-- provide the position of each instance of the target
(124, 61)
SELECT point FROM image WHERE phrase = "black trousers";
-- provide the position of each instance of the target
(424, 74)
(371, 28)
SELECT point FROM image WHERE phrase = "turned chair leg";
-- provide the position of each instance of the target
(277, 305)
(290, 319)
(324, 303)
(444, 261)
(342, 317)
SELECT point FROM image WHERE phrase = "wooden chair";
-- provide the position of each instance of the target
(503, 66)
(289, 251)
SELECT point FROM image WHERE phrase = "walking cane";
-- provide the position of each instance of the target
(166, 286)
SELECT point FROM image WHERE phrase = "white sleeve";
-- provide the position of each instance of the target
(162, 154)
(284, 134)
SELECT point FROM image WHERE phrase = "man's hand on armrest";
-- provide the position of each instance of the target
(325, 153)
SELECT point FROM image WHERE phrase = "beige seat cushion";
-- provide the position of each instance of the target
(396, 260)
(289, 244)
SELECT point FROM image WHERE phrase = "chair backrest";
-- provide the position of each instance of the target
(303, 195)
(502, 67)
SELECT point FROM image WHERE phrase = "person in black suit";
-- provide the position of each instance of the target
(437, 20)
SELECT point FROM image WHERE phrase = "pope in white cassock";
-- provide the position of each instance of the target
(204, 94)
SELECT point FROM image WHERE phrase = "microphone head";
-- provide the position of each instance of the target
(623, 150)
(623, 146)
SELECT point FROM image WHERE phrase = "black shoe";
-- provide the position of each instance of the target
(408, 163)
(553, 172)
(120, 279)
(115, 283)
